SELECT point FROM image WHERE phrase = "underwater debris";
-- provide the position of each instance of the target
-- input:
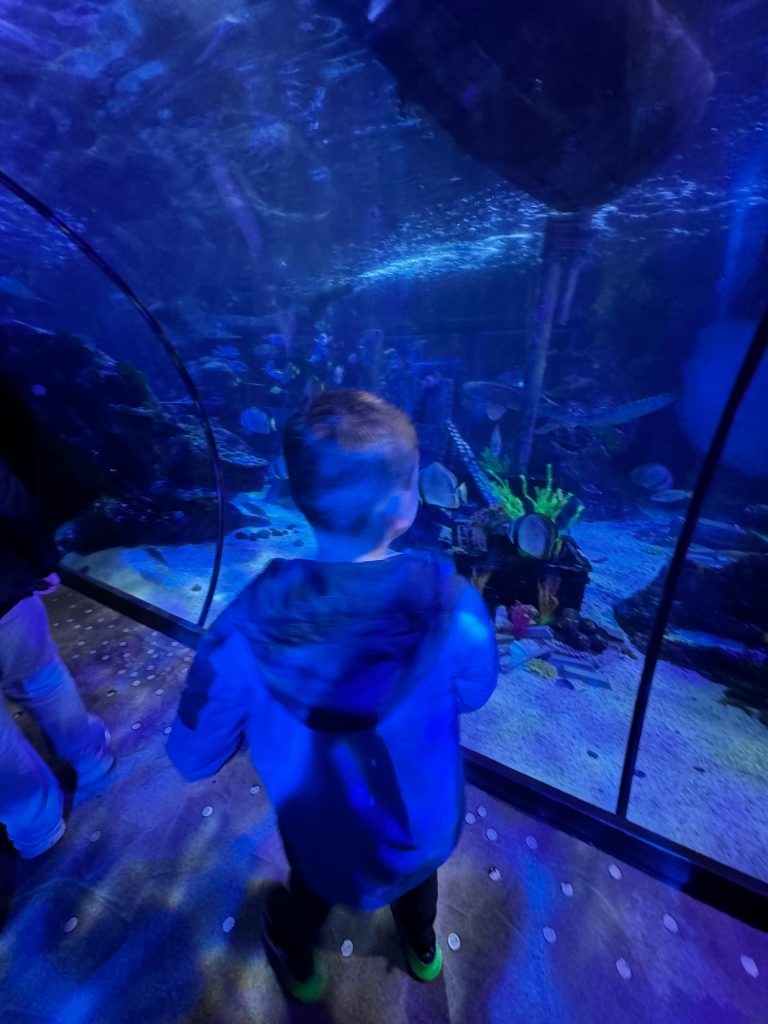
(439, 486)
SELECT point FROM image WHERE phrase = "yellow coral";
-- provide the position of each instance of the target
(541, 668)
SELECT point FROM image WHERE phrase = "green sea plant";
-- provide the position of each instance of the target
(495, 469)
(548, 501)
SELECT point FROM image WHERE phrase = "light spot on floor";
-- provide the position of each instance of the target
(749, 966)
(624, 969)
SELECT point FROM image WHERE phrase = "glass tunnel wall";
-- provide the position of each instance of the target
(298, 213)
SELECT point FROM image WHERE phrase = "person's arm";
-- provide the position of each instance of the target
(208, 729)
(474, 651)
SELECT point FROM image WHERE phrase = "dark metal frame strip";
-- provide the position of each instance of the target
(754, 356)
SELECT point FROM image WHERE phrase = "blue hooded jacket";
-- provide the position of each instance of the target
(347, 680)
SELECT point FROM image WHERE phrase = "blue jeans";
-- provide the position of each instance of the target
(33, 675)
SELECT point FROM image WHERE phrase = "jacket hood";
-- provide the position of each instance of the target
(339, 643)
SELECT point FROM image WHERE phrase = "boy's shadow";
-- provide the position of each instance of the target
(245, 944)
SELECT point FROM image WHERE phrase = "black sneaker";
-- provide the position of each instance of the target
(427, 963)
(304, 982)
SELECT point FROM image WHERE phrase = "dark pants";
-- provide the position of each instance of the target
(299, 930)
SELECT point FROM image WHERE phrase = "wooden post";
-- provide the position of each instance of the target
(566, 237)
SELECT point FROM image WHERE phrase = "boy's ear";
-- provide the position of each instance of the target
(392, 507)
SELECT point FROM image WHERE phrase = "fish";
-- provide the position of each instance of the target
(157, 555)
(653, 477)
(439, 486)
(670, 496)
(629, 411)
(535, 536)
(496, 397)
(256, 421)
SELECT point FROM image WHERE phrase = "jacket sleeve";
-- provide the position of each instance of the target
(474, 651)
(208, 729)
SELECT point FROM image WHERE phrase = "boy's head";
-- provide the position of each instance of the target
(352, 463)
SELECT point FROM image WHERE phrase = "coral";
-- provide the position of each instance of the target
(521, 617)
(494, 469)
(541, 668)
(571, 521)
(548, 599)
(548, 501)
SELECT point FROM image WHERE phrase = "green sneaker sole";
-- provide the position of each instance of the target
(422, 971)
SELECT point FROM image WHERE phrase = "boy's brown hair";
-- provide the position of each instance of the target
(344, 453)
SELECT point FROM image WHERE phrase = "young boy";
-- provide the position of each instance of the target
(346, 674)
(33, 674)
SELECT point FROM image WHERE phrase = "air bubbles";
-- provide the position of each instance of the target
(470, 818)
(454, 942)
(614, 871)
(207, 811)
(135, 726)
(566, 888)
(227, 925)
(550, 935)
(71, 924)
(670, 924)
(492, 834)
(347, 948)
(494, 874)
(531, 842)
(254, 790)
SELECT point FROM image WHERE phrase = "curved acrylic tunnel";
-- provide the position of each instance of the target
(292, 218)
